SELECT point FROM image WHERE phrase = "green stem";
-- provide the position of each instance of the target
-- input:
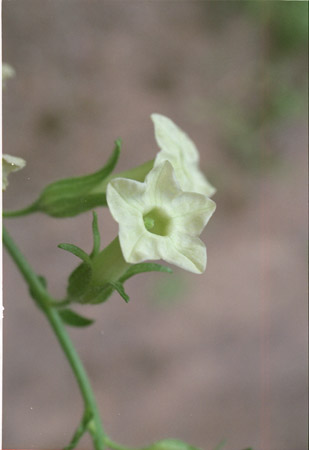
(82, 428)
(21, 212)
(43, 299)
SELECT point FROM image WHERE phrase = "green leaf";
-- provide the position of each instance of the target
(77, 251)
(170, 444)
(144, 267)
(72, 196)
(120, 289)
(75, 320)
(96, 235)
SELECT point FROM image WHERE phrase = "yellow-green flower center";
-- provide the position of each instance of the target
(157, 222)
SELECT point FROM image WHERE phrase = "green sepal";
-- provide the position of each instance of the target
(96, 235)
(118, 286)
(170, 444)
(101, 294)
(77, 251)
(79, 281)
(144, 267)
(73, 319)
(80, 278)
(72, 196)
(97, 295)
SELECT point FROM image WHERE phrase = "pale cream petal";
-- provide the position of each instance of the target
(177, 148)
(125, 196)
(10, 164)
(127, 211)
(197, 182)
(145, 246)
(162, 186)
(186, 252)
(170, 138)
(191, 213)
(188, 175)
(133, 241)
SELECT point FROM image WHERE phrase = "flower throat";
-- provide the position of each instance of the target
(157, 222)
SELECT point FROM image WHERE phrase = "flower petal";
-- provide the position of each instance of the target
(133, 241)
(186, 252)
(191, 213)
(171, 139)
(182, 153)
(162, 185)
(124, 195)
(146, 247)
(125, 201)
(188, 175)
(10, 164)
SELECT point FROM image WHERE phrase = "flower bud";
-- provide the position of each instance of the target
(72, 196)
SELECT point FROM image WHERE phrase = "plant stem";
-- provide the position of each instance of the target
(82, 428)
(43, 299)
(21, 212)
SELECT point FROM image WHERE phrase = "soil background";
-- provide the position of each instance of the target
(200, 358)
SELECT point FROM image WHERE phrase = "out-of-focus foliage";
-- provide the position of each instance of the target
(287, 24)
(170, 290)
(278, 87)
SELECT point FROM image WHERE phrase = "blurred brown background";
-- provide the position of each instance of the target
(198, 358)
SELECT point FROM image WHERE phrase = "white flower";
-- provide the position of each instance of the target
(157, 220)
(177, 147)
(10, 164)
